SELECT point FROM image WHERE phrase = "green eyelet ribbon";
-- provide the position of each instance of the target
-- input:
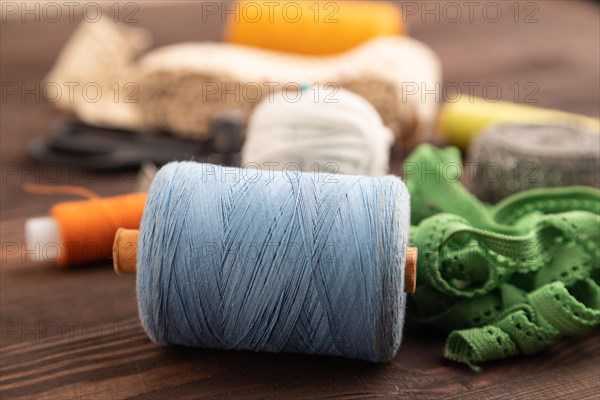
(506, 279)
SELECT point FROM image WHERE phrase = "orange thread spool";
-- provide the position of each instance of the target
(88, 227)
(312, 27)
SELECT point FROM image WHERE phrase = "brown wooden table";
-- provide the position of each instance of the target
(75, 333)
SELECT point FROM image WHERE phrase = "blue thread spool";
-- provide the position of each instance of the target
(275, 261)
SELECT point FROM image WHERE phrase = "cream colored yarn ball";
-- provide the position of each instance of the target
(324, 129)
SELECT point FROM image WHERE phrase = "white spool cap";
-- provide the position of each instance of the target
(42, 239)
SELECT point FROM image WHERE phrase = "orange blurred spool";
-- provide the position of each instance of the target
(88, 227)
(312, 27)
(80, 231)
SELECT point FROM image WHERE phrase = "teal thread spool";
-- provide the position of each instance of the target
(274, 261)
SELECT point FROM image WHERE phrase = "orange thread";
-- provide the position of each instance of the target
(314, 27)
(88, 227)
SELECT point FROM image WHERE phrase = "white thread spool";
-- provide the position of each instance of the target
(325, 129)
(42, 239)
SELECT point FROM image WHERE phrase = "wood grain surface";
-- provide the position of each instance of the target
(75, 333)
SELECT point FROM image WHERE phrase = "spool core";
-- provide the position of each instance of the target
(43, 239)
(124, 251)
(125, 255)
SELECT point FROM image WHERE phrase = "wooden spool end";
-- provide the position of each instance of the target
(125, 251)
(125, 255)
(410, 270)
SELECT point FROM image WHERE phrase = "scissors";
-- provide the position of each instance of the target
(96, 148)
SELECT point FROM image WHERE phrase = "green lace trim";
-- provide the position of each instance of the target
(504, 280)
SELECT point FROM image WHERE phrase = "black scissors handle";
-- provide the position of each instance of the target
(91, 147)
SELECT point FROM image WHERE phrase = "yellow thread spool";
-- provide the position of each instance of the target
(311, 27)
(462, 121)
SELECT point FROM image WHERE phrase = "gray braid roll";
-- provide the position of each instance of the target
(512, 157)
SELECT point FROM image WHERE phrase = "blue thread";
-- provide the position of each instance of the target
(274, 261)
